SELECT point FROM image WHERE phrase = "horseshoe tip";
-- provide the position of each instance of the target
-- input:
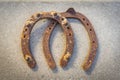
(53, 66)
(63, 63)
(32, 64)
(85, 67)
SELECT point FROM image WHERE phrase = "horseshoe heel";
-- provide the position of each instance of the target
(69, 44)
(27, 31)
(71, 13)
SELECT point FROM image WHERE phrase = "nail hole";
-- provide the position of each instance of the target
(62, 19)
(38, 15)
(28, 25)
(70, 34)
(28, 59)
(66, 24)
(93, 41)
(87, 24)
(24, 36)
(25, 29)
(49, 28)
(68, 27)
(55, 14)
(90, 29)
(83, 19)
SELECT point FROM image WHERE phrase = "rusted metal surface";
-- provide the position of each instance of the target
(69, 44)
(71, 13)
(26, 36)
(58, 17)
(104, 18)
(69, 41)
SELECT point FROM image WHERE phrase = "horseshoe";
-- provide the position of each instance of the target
(27, 31)
(71, 13)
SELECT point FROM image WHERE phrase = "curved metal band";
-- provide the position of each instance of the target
(93, 39)
(69, 43)
(28, 28)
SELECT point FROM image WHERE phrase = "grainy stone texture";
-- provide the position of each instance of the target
(105, 17)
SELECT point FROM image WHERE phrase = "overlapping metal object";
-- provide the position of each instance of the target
(60, 18)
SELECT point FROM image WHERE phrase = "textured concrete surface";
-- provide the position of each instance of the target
(105, 17)
(62, 0)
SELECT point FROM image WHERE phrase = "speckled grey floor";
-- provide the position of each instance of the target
(105, 17)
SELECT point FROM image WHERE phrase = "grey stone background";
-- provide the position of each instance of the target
(105, 17)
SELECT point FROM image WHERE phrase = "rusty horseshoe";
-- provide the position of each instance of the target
(71, 13)
(27, 31)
